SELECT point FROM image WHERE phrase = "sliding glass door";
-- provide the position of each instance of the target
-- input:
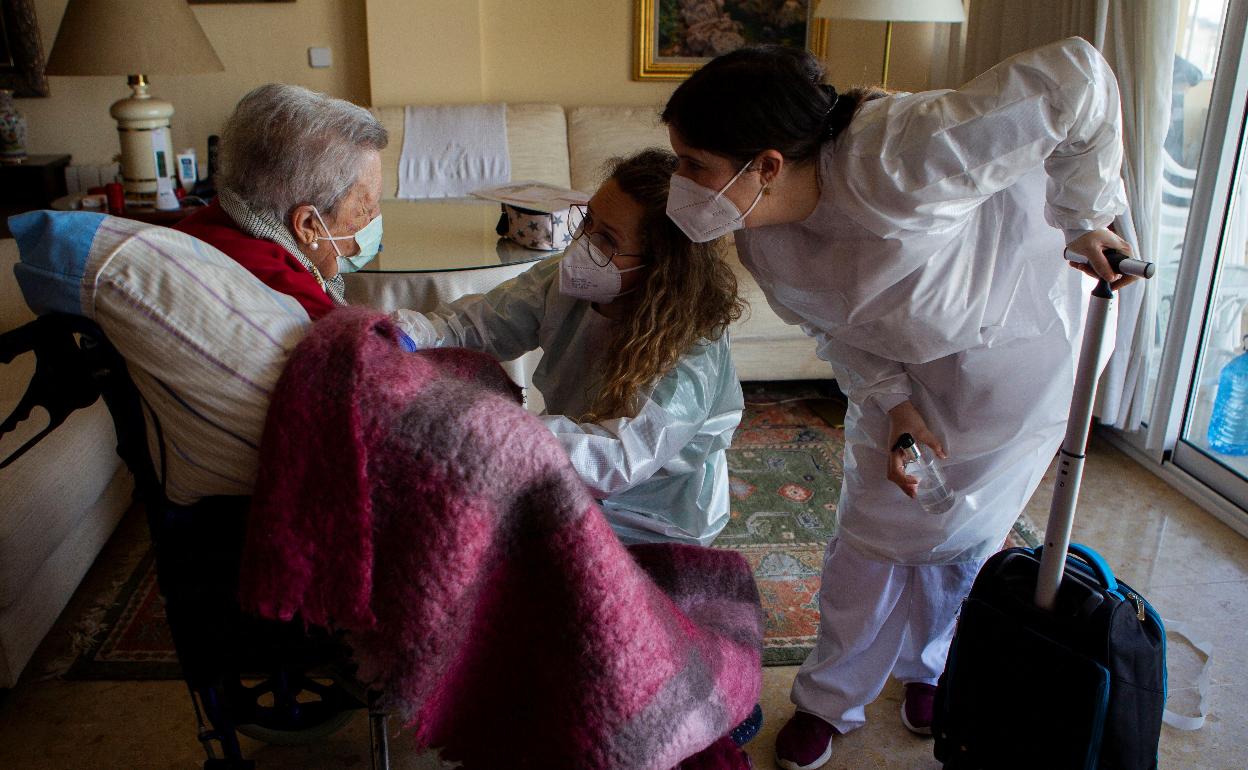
(1213, 440)
(1199, 373)
(1197, 47)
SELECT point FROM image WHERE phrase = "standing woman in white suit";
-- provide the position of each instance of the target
(918, 238)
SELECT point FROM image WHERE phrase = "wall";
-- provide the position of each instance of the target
(572, 52)
(424, 51)
(257, 43)
(564, 51)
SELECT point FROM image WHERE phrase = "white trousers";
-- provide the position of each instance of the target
(877, 618)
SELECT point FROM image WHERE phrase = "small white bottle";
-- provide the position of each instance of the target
(933, 493)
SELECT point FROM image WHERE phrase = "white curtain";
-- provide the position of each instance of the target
(1139, 43)
(1138, 39)
(998, 29)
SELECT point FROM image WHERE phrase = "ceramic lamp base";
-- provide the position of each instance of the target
(143, 128)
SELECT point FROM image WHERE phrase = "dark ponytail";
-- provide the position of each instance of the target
(761, 98)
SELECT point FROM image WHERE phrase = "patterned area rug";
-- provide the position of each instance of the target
(784, 475)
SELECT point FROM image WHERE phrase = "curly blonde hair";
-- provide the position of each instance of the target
(689, 292)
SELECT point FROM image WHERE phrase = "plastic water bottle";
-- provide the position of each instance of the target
(1228, 427)
(933, 493)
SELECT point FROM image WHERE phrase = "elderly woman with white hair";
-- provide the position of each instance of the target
(299, 192)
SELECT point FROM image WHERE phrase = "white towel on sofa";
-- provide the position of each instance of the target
(451, 150)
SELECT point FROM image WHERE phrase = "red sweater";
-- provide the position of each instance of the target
(266, 260)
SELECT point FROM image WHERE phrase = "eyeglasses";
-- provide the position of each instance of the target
(581, 223)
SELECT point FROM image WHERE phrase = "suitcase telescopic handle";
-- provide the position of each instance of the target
(1094, 562)
(1078, 426)
(1121, 263)
(1124, 265)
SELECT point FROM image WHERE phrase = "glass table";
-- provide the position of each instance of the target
(436, 251)
(445, 235)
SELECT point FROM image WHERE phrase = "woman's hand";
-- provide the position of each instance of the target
(1092, 246)
(904, 418)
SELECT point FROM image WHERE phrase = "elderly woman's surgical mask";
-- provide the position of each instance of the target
(368, 238)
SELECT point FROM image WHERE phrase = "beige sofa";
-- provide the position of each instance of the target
(58, 504)
(569, 147)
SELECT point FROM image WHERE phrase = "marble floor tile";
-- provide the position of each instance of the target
(1219, 614)
(1149, 533)
(1223, 741)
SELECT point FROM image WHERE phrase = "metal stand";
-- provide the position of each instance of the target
(378, 737)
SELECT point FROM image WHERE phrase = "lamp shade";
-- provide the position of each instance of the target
(131, 37)
(892, 10)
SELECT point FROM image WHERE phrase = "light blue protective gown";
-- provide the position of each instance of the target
(661, 475)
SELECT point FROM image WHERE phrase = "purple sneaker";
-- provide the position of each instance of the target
(917, 707)
(804, 743)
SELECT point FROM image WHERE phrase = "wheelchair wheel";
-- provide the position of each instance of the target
(287, 710)
(311, 734)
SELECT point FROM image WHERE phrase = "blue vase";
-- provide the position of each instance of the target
(12, 130)
(1228, 427)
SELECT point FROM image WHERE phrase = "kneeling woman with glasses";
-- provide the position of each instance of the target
(632, 320)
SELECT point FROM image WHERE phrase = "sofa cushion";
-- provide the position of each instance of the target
(205, 341)
(597, 134)
(537, 138)
(13, 310)
(392, 119)
(537, 142)
(24, 623)
(47, 491)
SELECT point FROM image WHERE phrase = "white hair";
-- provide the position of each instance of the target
(285, 146)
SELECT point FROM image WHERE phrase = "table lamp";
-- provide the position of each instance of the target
(135, 38)
(889, 11)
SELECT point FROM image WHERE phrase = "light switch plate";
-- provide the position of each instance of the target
(320, 57)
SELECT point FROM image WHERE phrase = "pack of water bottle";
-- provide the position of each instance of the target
(1228, 426)
(933, 492)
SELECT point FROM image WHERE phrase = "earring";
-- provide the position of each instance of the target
(314, 245)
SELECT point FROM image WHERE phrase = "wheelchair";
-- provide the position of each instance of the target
(279, 682)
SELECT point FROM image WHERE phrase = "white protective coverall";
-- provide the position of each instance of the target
(661, 475)
(928, 272)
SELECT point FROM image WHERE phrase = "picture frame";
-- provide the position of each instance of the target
(21, 51)
(667, 47)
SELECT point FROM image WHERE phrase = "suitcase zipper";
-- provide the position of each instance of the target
(1139, 605)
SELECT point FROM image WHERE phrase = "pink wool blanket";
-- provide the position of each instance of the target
(409, 499)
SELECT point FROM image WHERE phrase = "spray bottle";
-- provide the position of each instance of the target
(933, 493)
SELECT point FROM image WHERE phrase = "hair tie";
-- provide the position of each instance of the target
(836, 98)
(828, 126)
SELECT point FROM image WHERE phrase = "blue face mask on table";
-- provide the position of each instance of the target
(367, 237)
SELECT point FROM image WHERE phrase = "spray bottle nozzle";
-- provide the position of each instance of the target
(905, 442)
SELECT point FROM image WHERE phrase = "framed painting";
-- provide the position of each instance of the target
(676, 37)
(21, 52)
